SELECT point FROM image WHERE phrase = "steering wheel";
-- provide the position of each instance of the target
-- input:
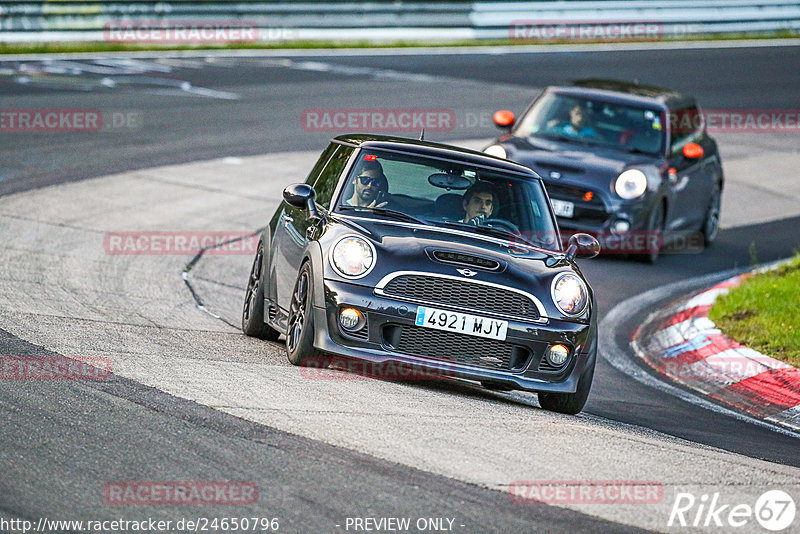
(502, 223)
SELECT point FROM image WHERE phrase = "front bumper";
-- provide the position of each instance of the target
(600, 218)
(596, 210)
(391, 337)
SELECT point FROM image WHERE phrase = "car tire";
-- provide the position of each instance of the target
(300, 331)
(253, 309)
(569, 403)
(655, 226)
(711, 221)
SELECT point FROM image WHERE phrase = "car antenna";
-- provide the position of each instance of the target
(422, 135)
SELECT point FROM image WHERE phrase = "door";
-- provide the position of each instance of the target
(292, 227)
(690, 182)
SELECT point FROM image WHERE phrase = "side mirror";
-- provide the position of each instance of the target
(692, 150)
(299, 195)
(582, 246)
(503, 119)
(302, 196)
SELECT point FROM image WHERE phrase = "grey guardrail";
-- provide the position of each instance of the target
(65, 20)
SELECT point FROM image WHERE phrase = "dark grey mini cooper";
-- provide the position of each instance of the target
(629, 164)
(404, 252)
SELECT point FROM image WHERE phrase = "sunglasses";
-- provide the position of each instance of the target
(369, 180)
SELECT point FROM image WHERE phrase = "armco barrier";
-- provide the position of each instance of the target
(67, 20)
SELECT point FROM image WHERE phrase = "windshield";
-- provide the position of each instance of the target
(593, 122)
(451, 195)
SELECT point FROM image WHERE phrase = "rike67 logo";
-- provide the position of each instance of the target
(774, 510)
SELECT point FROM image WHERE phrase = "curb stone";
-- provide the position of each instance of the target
(684, 346)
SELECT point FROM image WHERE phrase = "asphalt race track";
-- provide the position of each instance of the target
(192, 399)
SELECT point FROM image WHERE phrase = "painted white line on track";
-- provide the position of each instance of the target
(423, 50)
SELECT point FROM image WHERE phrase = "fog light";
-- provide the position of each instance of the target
(349, 318)
(557, 355)
(620, 227)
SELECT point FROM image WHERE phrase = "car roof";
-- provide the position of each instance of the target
(626, 92)
(427, 148)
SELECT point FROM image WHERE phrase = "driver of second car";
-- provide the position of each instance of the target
(369, 186)
(479, 202)
(577, 126)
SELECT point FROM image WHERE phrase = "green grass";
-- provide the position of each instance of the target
(50, 48)
(763, 313)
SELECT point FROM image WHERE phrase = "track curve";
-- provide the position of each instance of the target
(137, 309)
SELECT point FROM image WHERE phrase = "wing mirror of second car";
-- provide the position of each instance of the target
(503, 119)
(582, 246)
(302, 196)
(692, 151)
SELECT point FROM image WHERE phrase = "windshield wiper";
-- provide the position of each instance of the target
(490, 230)
(387, 212)
(633, 150)
(568, 138)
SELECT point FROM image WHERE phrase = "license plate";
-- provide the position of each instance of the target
(563, 208)
(462, 323)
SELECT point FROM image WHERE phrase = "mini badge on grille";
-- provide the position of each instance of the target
(491, 359)
(467, 272)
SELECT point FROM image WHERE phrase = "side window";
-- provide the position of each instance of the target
(320, 164)
(686, 126)
(326, 182)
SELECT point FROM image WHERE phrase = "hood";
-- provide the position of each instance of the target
(573, 162)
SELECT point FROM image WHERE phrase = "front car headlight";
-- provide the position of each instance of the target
(353, 257)
(569, 294)
(631, 184)
(496, 151)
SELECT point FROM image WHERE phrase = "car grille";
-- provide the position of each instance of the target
(455, 348)
(462, 294)
(571, 193)
(587, 210)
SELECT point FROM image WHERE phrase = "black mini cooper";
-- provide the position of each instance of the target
(430, 256)
(630, 164)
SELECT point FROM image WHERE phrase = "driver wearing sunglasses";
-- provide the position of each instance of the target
(369, 186)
